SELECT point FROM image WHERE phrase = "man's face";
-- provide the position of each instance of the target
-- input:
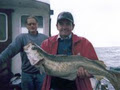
(32, 25)
(65, 27)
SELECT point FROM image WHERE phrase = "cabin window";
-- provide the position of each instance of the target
(3, 27)
(23, 24)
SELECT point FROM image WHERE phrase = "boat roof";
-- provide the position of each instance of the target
(24, 3)
(45, 1)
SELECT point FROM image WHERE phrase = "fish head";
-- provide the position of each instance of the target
(33, 55)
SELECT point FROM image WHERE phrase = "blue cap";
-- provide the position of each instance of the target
(65, 15)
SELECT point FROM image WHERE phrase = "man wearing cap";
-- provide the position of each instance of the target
(67, 43)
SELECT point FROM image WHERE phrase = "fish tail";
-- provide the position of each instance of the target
(115, 79)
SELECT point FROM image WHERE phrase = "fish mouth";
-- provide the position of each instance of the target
(26, 48)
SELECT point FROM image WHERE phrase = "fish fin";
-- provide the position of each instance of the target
(115, 79)
(98, 77)
(41, 69)
(41, 72)
(39, 65)
(101, 63)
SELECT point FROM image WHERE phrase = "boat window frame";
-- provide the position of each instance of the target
(6, 26)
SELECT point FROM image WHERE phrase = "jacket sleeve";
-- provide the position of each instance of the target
(91, 54)
(88, 50)
(45, 45)
(11, 50)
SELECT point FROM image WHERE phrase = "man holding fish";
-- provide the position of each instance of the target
(67, 43)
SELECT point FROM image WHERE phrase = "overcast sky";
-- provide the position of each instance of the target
(97, 20)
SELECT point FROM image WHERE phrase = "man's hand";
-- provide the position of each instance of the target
(83, 73)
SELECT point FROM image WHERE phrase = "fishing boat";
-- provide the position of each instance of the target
(13, 14)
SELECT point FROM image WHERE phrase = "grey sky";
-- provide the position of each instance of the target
(97, 20)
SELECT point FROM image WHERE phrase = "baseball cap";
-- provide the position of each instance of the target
(65, 15)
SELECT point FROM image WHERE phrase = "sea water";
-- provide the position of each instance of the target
(111, 57)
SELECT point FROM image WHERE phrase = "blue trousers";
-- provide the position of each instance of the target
(32, 81)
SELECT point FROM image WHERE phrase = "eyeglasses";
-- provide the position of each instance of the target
(31, 24)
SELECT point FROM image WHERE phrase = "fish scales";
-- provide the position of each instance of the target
(66, 66)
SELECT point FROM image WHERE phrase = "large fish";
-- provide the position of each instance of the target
(66, 66)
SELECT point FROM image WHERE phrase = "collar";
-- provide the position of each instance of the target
(69, 37)
(33, 34)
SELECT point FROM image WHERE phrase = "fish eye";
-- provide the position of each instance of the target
(34, 48)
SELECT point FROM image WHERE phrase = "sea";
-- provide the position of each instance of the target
(111, 57)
